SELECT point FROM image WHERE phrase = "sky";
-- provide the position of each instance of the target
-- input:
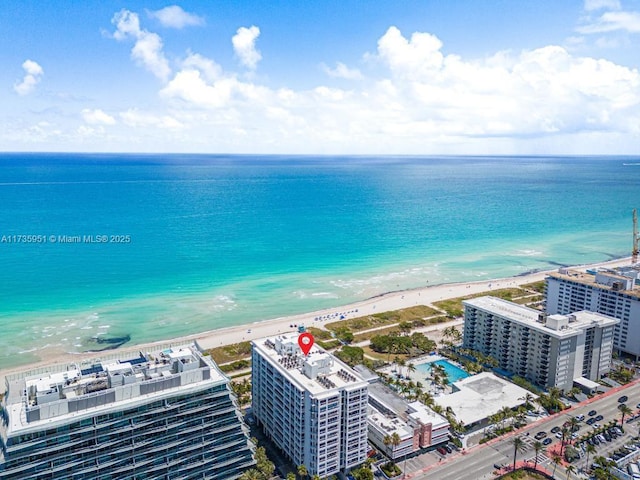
(468, 77)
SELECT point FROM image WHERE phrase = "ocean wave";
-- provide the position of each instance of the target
(526, 253)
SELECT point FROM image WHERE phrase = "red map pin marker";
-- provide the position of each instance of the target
(305, 340)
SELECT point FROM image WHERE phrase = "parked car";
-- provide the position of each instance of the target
(555, 429)
(547, 441)
(540, 435)
(441, 451)
(580, 417)
(592, 413)
(599, 418)
(447, 448)
(591, 421)
(623, 399)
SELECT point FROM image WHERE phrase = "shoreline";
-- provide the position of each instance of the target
(394, 300)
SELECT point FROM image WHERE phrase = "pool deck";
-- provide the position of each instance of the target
(421, 377)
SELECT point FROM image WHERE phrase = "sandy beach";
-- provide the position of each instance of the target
(382, 303)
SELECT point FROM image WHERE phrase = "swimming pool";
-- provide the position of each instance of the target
(453, 372)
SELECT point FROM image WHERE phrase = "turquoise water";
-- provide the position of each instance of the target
(454, 373)
(215, 241)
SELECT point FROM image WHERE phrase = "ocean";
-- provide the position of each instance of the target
(151, 247)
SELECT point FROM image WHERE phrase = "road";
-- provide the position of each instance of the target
(477, 463)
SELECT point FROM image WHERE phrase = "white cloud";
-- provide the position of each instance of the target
(416, 99)
(147, 50)
(342, 71)
(97, 117)
(33, 75)
(175, 17)
(424, 102)
(244, 46)
(613, 21)
(591, 5)
(134, 118)
(207, 67)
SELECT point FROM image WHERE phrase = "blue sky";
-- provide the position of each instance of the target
(330, 77)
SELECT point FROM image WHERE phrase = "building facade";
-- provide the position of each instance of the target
(313, 407)
(548, 350)
(417, 426)
(167, 415)
(613, 293)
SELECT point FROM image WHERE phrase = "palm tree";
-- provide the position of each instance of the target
(537, 447)
(401, 363)
(387, 441)
(570, 469)
(528, 400)
(557, 460)
(505, 414)
(291, 476)
(410, 368)
(395, 440)
(565, 436)
(624, 410)
(252, 474)
(302, 471)
(518, 446)
(315, 477)
(589, 449)
(452, 333)
(427, 398)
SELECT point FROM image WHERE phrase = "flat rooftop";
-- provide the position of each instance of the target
(62, 392)
(479, 396)
(389, 425)
(565, 325)
(589, 279)
(318, 372)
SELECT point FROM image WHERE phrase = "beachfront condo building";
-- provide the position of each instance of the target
(313, 407)
(164, 415)
(610, 292)
(548, 350)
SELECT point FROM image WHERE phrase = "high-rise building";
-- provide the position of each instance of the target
(313, 407)
(166, 415)
(610, 292)
(548, 350)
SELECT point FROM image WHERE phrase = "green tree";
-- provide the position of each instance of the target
(302, 471)
(291, 476)
(350, 355)
(557, 460)
(405, 327)
(362, 473)
(589, 449)
(518, 446)
(537, 448)
(251, 474)
(528, 400)
(570, 469)
(624, 410)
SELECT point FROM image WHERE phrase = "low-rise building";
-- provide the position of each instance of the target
(474, 399)
(417, 426)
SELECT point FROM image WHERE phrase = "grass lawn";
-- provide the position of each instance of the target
(535, 286)
(230, 353)
(385, 318)
(524, 475)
